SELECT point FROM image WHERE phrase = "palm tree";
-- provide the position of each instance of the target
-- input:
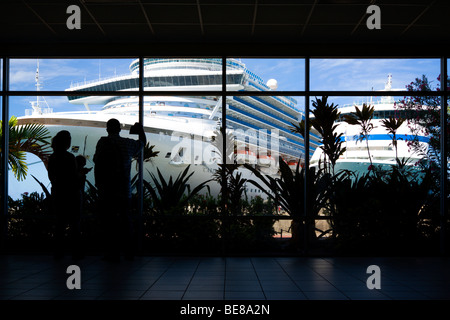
(231, 182)
(392, 125)
(362, 118)
(172, 196)
(324, 121)
(287, 191)
(148, 154)
(32, 138)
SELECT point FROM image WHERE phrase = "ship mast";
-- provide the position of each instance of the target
(36, 105)
(388, 87)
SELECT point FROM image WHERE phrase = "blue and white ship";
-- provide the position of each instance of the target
(183, 128)
(382, 150)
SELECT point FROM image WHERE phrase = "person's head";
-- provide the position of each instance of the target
(113, 126)
(62, 141)
(81, 161)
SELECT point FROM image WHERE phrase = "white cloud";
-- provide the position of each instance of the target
(365, 74)
(21, 76)
(58, 74)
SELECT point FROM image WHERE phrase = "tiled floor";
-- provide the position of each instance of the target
(25, 277)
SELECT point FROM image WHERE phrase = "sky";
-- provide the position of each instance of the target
(326, 74)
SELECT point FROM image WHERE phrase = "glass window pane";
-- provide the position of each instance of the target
(447, 221)
(71, 74)
(56, 113)
(265, 74)
(40, 119)
(185, 132)
(378, 161)
(183, 74)
(1, 155)
(370, 74)
(355, 140)
(260, 133)
(263, 131)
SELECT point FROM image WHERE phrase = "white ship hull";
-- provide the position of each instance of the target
(181, 128)
(383, 154)
(167, 135)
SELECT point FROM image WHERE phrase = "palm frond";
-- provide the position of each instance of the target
(171, 194)
(32, 138)
(44, 188)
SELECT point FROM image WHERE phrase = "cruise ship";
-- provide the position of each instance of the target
(184, 129)
(382, 151)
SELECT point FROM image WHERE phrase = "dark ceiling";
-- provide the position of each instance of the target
(417, 26)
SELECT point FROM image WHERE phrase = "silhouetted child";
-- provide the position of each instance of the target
(82, 171)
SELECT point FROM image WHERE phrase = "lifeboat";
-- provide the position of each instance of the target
(241, 156)
(263, 160)
(293, 165)
(252, 157)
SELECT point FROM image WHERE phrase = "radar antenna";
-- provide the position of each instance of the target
(388, 85)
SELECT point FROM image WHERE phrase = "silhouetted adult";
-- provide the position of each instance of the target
(113, 156)
(65, 190)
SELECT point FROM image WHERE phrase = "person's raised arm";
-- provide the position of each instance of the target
(139, 129)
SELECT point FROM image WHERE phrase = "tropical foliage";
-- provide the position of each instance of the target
(386, 211)
(392, 125)
(422, 115)
(287, 191)
(324, 121)
(362, 118)
(148, 153)
(32, 138)
(171, 197)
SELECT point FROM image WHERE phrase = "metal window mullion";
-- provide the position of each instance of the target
(306, 144)
(444, 151)
(234, 93)
(5, 149)
(224, 185)
(141, 156)
(224, 111)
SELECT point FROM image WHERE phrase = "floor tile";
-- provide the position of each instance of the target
(121, 295)
(204, 295)
(437, 295)
(162, 295)
(240, 287)
(284, 295)
(325, 295)
(24, 277)
(281, 287)
(169, 287)
(206, 287)
(366, 295)
(315, 286)
(244, 295)
(405, 295)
